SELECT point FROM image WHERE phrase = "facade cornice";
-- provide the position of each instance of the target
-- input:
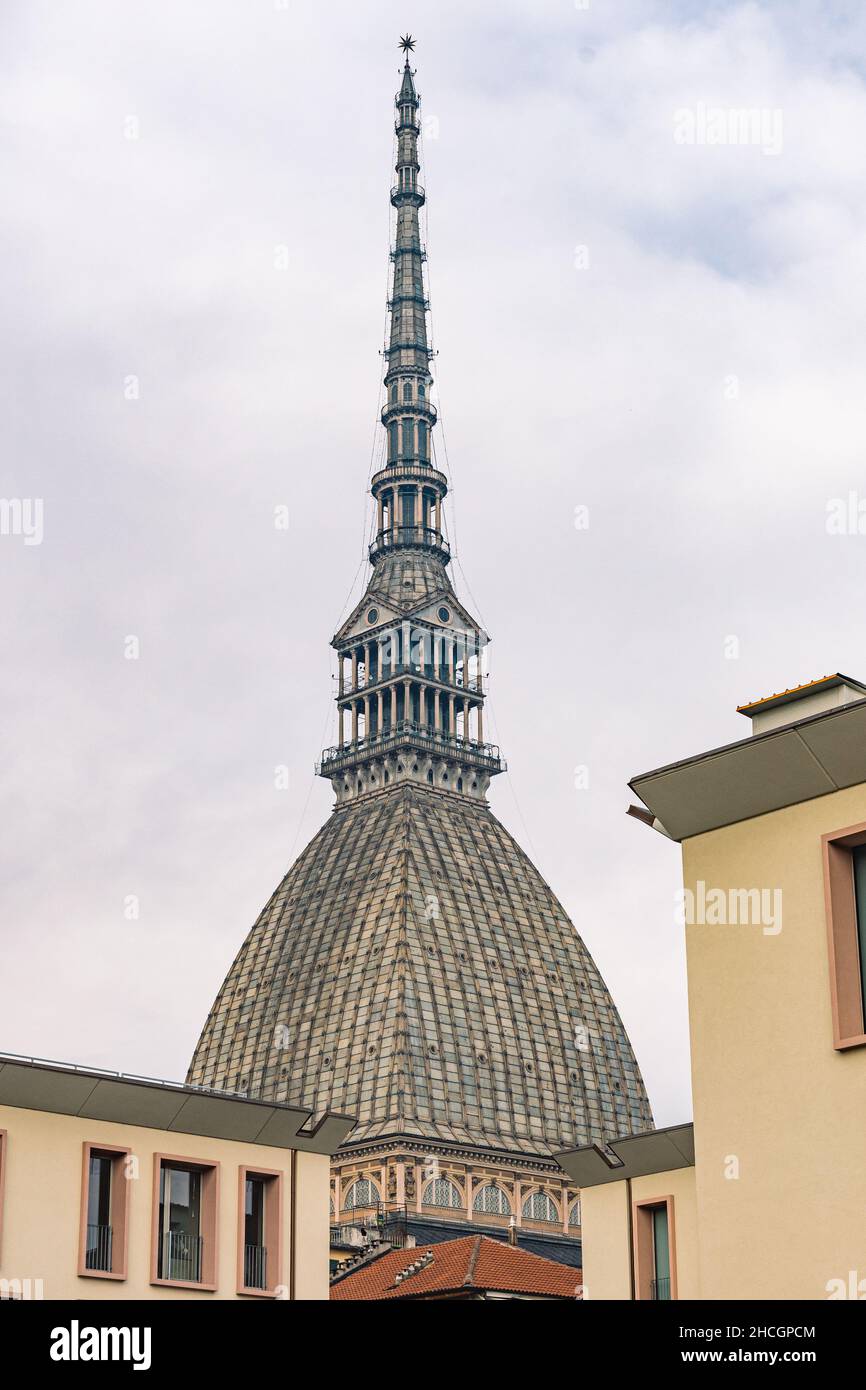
(420, 1149)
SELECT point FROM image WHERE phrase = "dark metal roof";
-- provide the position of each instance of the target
(564, 1249)
(33, 1083)
(796, 762)
(632, 1156)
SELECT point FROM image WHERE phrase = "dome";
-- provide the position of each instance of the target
(414, 969)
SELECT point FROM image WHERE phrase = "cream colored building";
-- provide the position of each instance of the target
(771, 1200)
(119, 1187)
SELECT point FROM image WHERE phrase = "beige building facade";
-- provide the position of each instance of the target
(114, 1187)
(773, 1201)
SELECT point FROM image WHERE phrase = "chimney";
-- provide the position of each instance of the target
(802, 701)
(512, 1231)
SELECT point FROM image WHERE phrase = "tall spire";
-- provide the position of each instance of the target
(406, 515)
(410, 694)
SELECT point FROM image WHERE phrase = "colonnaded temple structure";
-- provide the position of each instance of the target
(413, 968)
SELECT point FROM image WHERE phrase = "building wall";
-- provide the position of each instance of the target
(40, 1206)
(607, 1239)
(780, 1115)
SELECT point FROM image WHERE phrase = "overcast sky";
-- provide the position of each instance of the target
(630, 319)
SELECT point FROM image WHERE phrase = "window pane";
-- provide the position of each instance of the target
(99, 1191)
(184, 1201)
(254, 1214)
(99, 1232)
(180, 1246)
(859, 857)
(661, 1246)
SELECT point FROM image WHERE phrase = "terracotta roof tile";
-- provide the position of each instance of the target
(470, 1263)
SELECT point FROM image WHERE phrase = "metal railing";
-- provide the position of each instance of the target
(415, 190)
(407, 297)
(660, 1290)
(421, 469)
(405, 730)
(420, 406)
(377, 1220)
(255, 1267)
(98, 1251)
(408, 345)
(409, 535)
(474, 686)
(181, 1256)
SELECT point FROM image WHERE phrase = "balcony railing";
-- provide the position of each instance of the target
(412, 470)
(408, 345)
(98, 1252)
(420, 406)
(660, 1290)
(410, 191)
(255, 1267)
(474, 686)
(407, 297)
(361, 1224)
(406, 731)
(181, 1257)
(410, 535)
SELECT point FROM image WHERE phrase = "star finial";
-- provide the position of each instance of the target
(407, 43)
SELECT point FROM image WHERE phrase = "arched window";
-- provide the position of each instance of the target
(539, 1207)
(442, 1193)
(574, 1214)
(362, 1193)
(492, 1201)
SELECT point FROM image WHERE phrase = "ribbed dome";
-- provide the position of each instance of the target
(408, 577)
(414, 969)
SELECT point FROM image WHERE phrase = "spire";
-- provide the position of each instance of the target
(409, 492)
(410, 687)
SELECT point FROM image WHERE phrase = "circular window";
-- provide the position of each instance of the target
(444, 614)
(372, 615)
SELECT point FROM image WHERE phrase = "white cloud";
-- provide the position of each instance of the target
(606, 386)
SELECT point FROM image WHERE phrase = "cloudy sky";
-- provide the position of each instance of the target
(642, 309)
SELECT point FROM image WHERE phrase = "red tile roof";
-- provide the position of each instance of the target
(468, 1264)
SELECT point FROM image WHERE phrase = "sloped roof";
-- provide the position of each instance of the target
(414, 969)
(799, 692)
(403, 580)
(471, 1263)
(34, 1083)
